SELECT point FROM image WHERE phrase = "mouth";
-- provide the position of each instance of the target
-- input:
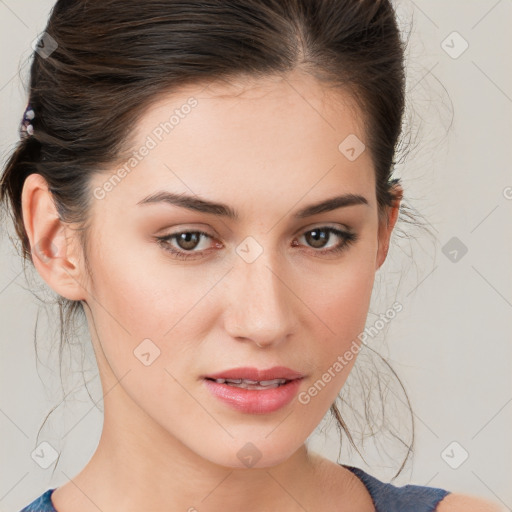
(252, 384)
(255, 375)
(254, 391)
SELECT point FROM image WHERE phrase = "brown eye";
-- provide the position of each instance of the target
(318, 238)
(188, 241)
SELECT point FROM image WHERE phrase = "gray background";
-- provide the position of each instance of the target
(451, 344)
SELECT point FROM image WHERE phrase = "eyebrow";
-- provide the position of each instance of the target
(197, 204)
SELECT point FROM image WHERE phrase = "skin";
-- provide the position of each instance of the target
(266, 148)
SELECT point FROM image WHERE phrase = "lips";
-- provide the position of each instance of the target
(254, 391)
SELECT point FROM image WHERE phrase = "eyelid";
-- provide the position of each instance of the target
(198, 228)
(324, 225)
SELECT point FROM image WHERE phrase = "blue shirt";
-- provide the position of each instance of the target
(386, 497)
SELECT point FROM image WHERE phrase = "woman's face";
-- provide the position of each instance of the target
(270, 287)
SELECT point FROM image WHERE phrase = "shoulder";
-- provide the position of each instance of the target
(455, 502)
(41, 504)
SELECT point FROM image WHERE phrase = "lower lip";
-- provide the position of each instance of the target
(254, 401)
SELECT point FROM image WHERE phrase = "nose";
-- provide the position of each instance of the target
(260, 303)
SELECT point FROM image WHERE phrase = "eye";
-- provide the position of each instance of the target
(316, 238)
(186, 240)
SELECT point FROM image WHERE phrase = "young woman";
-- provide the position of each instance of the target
(210, 183)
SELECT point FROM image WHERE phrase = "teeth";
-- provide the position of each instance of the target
(270, 382)
(252, 384)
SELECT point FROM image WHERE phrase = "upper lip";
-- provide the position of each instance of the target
(250, 373)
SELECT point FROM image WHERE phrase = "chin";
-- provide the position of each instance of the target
(257, 454)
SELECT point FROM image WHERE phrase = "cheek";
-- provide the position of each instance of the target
(343, 298)
(342, 305)
(144, 317)
(143, 291)
(151, 321)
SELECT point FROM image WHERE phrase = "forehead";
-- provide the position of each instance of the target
(262, 106)
(277, 136)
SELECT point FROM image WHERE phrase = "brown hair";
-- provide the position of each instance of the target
(113, 58)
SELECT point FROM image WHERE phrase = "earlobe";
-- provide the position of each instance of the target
(52, 242)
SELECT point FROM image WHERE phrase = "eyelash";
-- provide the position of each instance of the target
(348, 237)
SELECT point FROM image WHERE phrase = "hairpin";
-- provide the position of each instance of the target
(26, 128)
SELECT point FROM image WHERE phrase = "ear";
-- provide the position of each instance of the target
(387, 224)
(54, 245)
